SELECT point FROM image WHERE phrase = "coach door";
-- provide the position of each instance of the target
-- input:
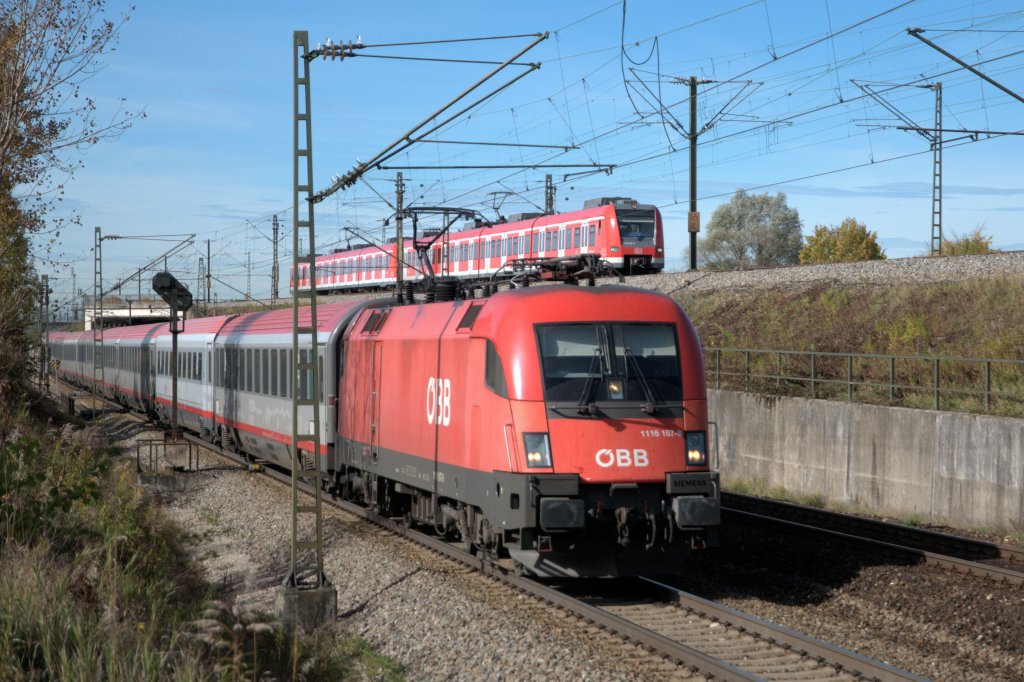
(375, 394)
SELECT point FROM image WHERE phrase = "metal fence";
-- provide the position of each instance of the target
(940, 383)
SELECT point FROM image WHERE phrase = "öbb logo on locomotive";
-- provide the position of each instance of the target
(553, 415)
(439, 401)
(622, 457)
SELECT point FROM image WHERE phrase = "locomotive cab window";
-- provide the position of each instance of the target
(494, 372)
(610, 362)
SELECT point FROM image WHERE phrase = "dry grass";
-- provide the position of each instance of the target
(981, 318)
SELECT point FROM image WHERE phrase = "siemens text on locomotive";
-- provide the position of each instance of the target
(563, 427)
(624, 234)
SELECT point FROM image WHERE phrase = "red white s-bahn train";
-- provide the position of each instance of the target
(623, 233)
(564, 427)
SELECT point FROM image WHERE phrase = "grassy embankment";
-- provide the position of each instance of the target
(979, 318)
(97, 584)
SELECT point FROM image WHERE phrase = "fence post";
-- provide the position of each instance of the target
(778, 369)
(892, 379)
(746, 368)
(718, 368)
(849, 378)
(937, 399)
(988, 385)
(814, 375)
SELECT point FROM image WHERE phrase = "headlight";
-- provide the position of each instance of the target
(696, 448)
(538, 450)
(615, 249)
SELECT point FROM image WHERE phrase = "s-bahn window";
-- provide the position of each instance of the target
(636, 226)
(593, 235)
(494, 373)
(584, 363)
(576, 238)
(303, 378)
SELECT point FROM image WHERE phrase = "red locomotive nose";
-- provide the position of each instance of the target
(618, 450)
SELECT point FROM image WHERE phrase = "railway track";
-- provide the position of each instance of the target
(951, 552)
(712, 639)
(709, 639)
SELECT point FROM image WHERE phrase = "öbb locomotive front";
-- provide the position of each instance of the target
(562, 427)
(566, 426)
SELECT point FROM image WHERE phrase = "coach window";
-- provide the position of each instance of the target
(576, 238)
(246, 370)
(256, 371)
(283, 369)
(265, 362)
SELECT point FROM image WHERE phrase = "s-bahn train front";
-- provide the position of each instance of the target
(636, 241)
(609, 407)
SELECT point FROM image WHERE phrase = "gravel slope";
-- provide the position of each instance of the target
(918, 270)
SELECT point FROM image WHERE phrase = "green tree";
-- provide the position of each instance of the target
(972, 243)
(48, 50)
(751, 231)
(851, 241)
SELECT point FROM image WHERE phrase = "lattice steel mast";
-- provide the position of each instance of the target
(305, 374)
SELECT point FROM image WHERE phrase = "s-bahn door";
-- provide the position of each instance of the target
(375, 392)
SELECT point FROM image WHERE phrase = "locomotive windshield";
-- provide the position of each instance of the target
(592, 363)
(636, 226)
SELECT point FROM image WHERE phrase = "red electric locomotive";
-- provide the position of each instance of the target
(564, 425)
(619, 231)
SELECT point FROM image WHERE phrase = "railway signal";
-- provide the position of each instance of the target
(178, 297)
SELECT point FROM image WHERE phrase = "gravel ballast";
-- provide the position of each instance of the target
(434, 617)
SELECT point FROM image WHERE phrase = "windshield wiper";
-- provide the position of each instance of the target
(648, 406)
(584, 405)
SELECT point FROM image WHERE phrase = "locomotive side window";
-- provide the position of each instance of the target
(593, 235)
(584, 363)
(494, 373)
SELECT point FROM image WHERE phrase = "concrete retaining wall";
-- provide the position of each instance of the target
(962, 468)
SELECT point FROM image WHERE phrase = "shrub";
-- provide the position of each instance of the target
(851, 241)
(972, 243)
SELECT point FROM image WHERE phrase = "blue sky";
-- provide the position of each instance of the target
(213, 155)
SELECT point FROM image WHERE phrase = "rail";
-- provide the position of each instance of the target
(985, 385)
